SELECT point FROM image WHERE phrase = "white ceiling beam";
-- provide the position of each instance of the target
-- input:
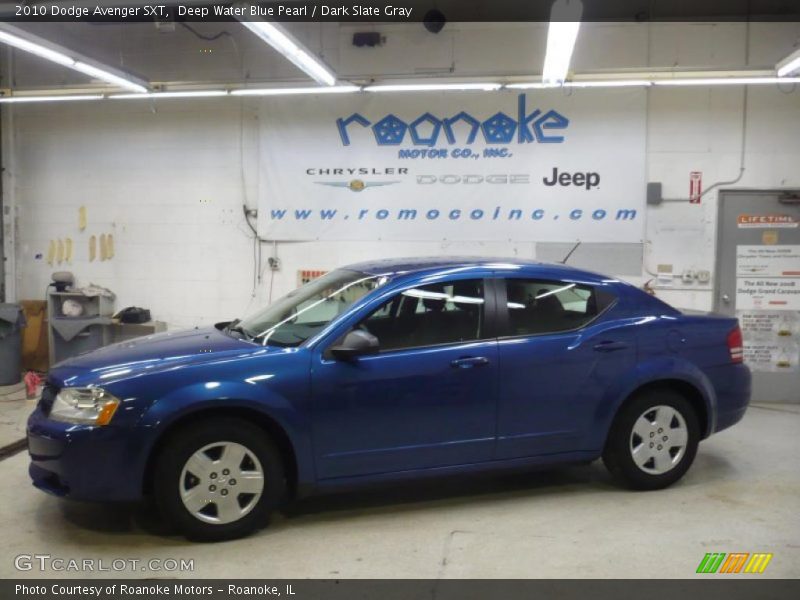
(607, 80)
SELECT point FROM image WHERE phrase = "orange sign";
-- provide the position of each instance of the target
(766, 221)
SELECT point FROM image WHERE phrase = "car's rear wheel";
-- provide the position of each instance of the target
(218, 479)
(653, 440)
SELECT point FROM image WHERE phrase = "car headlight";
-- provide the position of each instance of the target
(89, 406)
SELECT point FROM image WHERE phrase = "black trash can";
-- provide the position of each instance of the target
(12, 320)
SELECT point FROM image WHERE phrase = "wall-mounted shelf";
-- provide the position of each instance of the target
(70, 336)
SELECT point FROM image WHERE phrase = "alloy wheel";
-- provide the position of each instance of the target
(658, 439)
(221, 482)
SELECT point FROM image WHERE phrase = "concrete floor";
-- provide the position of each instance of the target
(742, 494)
(14, 410)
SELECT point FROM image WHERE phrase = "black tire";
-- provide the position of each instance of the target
(618, 454)
(183, 444)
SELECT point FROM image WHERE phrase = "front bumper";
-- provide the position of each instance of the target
(84, 462)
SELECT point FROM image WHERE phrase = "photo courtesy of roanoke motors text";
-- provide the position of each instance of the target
(408, 300)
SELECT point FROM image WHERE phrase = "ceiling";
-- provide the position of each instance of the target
(227, 53)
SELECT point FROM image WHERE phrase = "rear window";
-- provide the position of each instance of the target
(540, 306)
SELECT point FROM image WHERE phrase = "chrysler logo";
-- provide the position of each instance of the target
(356, 185)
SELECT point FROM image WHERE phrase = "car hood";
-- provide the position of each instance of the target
(150, 354)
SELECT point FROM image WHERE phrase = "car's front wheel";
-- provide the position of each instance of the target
(218, 479)
(653, 440)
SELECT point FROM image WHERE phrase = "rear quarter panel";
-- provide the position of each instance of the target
(694, 349)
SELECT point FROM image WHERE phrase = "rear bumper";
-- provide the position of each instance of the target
(83, 462)
(732, 385)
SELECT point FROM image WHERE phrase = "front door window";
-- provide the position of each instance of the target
(430, 315)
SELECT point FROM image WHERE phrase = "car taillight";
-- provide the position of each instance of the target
(735, 345)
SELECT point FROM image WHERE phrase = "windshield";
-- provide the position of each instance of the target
(304, 312)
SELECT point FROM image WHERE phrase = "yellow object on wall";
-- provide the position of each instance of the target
(34, 335)
(82, 218)
(92, 248)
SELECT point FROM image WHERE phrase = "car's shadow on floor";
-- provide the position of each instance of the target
(424, 494)
(451, 490)
(428, 493)
(109, 519)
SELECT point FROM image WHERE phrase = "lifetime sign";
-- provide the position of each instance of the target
(428, 129)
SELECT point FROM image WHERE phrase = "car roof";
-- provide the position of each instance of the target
(409, 265)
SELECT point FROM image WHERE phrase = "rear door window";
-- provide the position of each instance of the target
(541, 306)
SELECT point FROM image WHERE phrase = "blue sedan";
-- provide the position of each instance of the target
(389, 370)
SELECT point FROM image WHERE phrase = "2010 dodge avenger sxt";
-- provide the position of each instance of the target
(386, 370)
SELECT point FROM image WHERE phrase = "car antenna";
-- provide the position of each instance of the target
(566, 258)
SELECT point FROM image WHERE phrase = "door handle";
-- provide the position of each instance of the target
(467, 362)
(610, 346)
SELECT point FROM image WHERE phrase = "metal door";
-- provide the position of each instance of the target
(426, 405)
(758, 280)
(552, 384)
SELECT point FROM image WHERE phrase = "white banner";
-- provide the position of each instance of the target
(547, 165)
(768, 261)
(767, 293)
(771, 340)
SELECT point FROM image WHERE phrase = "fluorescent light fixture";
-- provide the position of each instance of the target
(434, 87)
(52, 98)
(337, 89)
(285, 43)
(531, 85)
(609, 84)
(726, 81)
(60, 96)
(104, 75)
(561, 36)
(789, 65)
(32, 48)
(159, 95)
(28, 42)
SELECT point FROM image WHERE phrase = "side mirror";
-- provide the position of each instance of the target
(356, 343)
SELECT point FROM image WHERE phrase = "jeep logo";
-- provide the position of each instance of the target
(586, 180)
